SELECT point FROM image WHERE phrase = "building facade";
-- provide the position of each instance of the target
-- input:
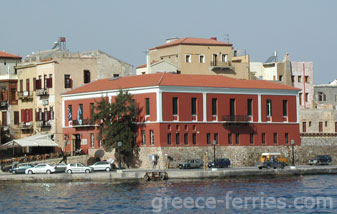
(8, 97)
(189, 111)
(196, 56)
(44, 76)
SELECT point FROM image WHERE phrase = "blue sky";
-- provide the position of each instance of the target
(305, 29)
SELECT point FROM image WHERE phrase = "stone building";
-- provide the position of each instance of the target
(196, 56)
(184, 115)
(8, 95)
(45, 75)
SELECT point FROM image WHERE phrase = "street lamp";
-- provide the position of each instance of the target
(214, 143)
(293, 155)
(119, 144)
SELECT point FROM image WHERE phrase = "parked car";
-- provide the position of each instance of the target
(102, 166)
(77, 167)
(40, 168)
(320, 160)
(60, 167)
(189, 164)
(20, 168)
(220, 163)
(274, 163)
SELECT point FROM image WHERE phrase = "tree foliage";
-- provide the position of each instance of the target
(118, 122)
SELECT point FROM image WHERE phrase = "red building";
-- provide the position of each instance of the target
(190, 110)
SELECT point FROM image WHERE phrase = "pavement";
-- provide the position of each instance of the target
(138, 174)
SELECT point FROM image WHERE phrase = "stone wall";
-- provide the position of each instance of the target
(239, 155)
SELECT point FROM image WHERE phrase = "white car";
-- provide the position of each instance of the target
(77, 167)
(101, 166)
(41, 168)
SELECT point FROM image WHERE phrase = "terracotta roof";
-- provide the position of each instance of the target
(145, 65)
(8, 55)
(193, 41)
(168, 79)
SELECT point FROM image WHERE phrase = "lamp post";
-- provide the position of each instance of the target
(214, 143)
(293, 154)
(119, 144)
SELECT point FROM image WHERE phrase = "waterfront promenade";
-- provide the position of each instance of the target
(138, 174)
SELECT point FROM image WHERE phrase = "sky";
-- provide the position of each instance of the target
(126, 29)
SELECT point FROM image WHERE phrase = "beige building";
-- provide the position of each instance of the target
(44, 76)
(8, 95)
(196, 56)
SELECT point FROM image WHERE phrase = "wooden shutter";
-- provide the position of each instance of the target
(30, 115)
(70, 83)
(16, 118)
(48, 115)
(34, 84)
(22, 115)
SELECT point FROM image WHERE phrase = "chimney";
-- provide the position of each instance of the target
(213, 38)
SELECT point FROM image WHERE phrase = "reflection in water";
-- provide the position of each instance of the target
(100, 197)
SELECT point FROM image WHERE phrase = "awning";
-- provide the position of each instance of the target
(31, 141)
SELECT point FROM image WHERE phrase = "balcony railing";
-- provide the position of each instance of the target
(3, 104)
(235, 118)
(25, 95)
(220, 65)
(26, 125)
(41, 92)
(82, 123)
(43, 124)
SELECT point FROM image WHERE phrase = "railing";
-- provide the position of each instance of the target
(3, 104)
(219, 64)
(24, 95)
(235, 118)
(27, 125)
(41, 92)
(84, 122)
(43, 124)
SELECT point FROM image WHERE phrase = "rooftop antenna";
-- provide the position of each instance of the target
(227, 37)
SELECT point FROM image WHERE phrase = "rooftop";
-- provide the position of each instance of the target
(193, 41)
(5, 55)
(168, 79)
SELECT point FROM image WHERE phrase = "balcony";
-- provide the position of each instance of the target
(25, 95)
(43, 124)
(3, 105)
(83, 123)
(41, 92)
(236, 118)
(26, 125)
(216, 65)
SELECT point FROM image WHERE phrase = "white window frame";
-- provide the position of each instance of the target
(224, 57)
(92, 140)
(189, 59)
(151, 137)
(203, 59)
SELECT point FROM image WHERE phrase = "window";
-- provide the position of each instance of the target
(67, 81)
(251, 138)
(208, 138)
(186, 138)
(224, 57)
(188, 58)
(269, 108)
(263, 138)
(151, 137)
(249, 105)
(92, 140)
(286, 138)
(335, 126)
(285, 108)
(50, 81)
(299, 79)
(144, 137)
(237, 138)
(304, 127)
(175, 105)
(80, 112)
(169, 138)
(300, 98)
(86, 76)
(320, 126)
(92, 109)
(34, 84)
(216, 138)
(4, 118)
(309, 124)
(306, 79)
(117, 75)
(13, 94)
(232, 107)
(326, 123)
(201, 58)
(321, 96)
(147, 102)
(16, 118)
(70, 113)
(230, 138)
(51, 112)
(280, 78)
(194, 106)
(194, 138)
(292, 78)
(21, 85)
(177, 138)
(214, 107)
(275, 138)
(27, 85)
(306, 97)
(100, 143)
